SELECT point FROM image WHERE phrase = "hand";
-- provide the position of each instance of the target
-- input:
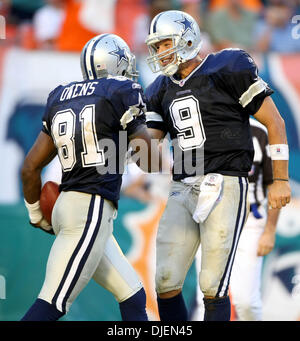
(279, 194)
(43, 225)
(265, 243)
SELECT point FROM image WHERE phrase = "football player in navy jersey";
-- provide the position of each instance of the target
(83, 122)
(204, 106)
(257, 237)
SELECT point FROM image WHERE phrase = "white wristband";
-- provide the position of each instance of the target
(279, 151)
(34, 211)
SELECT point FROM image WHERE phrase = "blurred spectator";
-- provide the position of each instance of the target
(232, 26)
(157, 6)
(196, 8)
(193, 7)
(274, 32)
(7, 27)
(85, 19)
(92, 10)
(251, 5)
(47, 23)
(131, 22)
(73, 35)
(23, 10)
(4, 7)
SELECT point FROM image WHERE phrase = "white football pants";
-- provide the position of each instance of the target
(245, 285)
(85, 248)
(179, 236)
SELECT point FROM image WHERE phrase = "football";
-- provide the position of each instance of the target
(49, 194)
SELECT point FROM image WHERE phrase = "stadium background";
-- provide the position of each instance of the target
(28, 72)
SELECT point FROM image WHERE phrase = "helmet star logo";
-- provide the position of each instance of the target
(188, 25)
(120, 54)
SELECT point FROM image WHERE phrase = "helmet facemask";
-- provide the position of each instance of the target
(154, 59)
(131, 71)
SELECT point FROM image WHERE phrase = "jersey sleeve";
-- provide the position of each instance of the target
(154, 118)
(46, 125)
(244, 83)
(130, 107)
(46, 119)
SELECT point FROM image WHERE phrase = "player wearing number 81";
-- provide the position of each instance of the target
(77, 118)
(205, 105)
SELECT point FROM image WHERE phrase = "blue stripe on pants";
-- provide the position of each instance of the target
(240, 221)
(84, 257)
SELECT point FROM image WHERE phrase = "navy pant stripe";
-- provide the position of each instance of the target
(76, 251)
(242, 209)
(85, 256)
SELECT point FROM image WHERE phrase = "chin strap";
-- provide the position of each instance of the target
(170, 70)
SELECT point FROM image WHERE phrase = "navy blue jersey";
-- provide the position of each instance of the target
(87, 124)
(209, 111)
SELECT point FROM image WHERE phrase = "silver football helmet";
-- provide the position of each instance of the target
(185, 34)
(107, 54)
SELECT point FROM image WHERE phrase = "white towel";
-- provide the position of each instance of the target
(210, 192)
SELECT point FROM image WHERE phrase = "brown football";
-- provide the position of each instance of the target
(49, 194)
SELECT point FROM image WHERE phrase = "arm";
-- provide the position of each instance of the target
(279, 192)
(267, 239)
(42, 152)
(156, 134)
(146, 153)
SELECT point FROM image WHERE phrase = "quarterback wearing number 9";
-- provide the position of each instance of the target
(78, 118)
(204, 105)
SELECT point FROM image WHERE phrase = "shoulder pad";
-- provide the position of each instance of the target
(156, 85)
(238, 59)
(52, 95)
(231, 59)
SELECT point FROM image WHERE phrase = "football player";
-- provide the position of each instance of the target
(82, 124)
(204, 105)
(257, 237)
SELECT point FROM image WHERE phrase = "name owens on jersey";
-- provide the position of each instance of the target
(86, 122)
(209, 111)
